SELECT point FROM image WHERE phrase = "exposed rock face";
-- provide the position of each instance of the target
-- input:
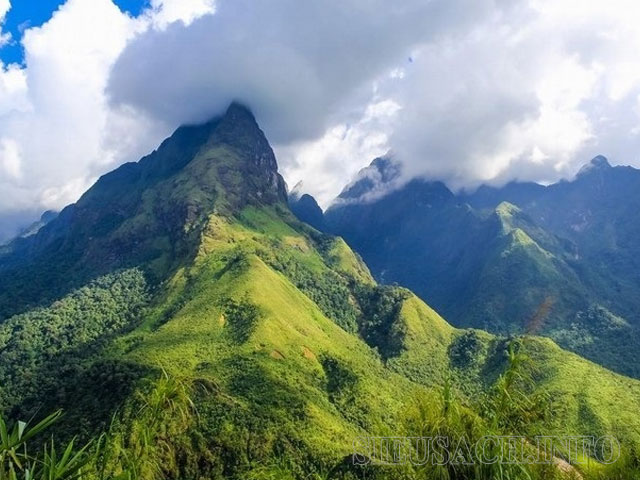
(151, 212)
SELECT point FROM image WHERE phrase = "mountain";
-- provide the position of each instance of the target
(151, 212)
(595, 215)
(305, 208)
(28, 230)
(183, 315)
(33, 228)
(491, 259)
(13, 224)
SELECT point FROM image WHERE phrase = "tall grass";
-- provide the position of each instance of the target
(18, 460)
(142, 442)
(509, 408)
(150, 439)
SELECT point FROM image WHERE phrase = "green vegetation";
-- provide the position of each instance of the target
(18, 461)
(161, 432)
(241, 319)
(218, 337)
(380, 324)
(44, 346)
(489, 259)
(287, 389)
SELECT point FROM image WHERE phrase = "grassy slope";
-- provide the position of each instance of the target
(288, 349)
(587, 398)
(529, 264)
(310, 384)
(520, 265)
(493, 268)
(286, 381)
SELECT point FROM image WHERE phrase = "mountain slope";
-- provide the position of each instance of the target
(595, 217)
(307, 210)
(491, 259)
(598, 216)
(148, 213)
(261, 346)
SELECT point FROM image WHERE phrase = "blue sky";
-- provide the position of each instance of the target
(33, 13)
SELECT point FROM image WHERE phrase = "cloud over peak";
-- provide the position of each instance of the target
(464, 91)
(299, 65)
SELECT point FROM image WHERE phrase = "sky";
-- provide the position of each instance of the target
(464, 91)
(25, 14)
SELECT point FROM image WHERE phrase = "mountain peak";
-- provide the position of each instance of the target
(373, 180)
(305, 207)
(238, 129)
(239, 108)
(388, 168)
(297, 191)
(238, 116)
(506, 209)
(600, 161)
(166, 199)
(597, 163)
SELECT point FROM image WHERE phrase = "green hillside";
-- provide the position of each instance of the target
(216, 336)
(489, 260)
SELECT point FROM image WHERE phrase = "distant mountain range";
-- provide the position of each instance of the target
(494, 258)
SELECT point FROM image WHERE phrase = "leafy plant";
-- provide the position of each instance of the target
(19, 461)
(513, 405)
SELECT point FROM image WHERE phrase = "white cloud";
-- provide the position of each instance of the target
(165, 12)
(58, 131)
(325, 164)
(529, 94)
(10, 158)
(13, 89)
(58, 111)
(301, 66)
(487, 91)
(466, 91)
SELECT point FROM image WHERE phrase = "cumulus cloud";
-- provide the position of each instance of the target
(165, 12)
(54, 113)
(530, 95)
(484, 92)
(329, 162)
(301, 66)
(57, 129)
(465, 91)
